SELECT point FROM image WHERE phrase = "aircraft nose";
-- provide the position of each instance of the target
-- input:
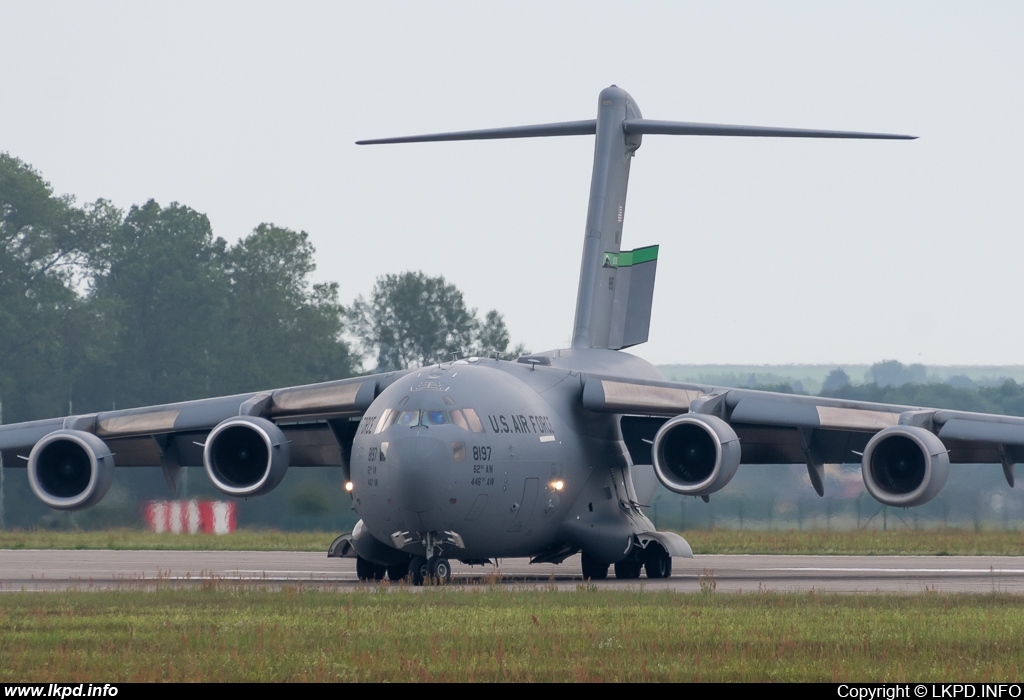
(419, 463)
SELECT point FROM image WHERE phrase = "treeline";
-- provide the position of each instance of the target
(102, 308)
(895, 383)
(1007, 398)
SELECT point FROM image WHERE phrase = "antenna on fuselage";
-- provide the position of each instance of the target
(613, 304)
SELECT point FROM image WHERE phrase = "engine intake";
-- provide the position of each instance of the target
(696, 454)
(70, 469)
(905, 466)
(246, 456)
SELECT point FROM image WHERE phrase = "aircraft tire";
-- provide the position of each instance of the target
(366, 570)
(593, 570)
(419, 569)
(440, 570)
(398, 572)
(628, 568)
(657, 561)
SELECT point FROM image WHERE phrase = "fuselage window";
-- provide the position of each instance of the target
(459, 451)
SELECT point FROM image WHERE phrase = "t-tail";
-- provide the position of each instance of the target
(616, 288)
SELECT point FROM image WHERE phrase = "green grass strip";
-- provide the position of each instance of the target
(222, 633)
(858, 542)
(242, 540)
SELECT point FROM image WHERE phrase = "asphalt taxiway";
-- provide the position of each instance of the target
(32, 570)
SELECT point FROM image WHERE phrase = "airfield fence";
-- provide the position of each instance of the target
(780, 497)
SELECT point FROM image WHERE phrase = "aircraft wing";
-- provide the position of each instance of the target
(775, 428)
(315, 419)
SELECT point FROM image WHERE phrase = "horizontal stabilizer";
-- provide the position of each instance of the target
(581, 128)
(654, 126)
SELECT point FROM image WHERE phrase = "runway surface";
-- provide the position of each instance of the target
(33, 570)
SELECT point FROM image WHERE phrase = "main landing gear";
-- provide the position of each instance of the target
(366, 570)
(654, 560)
(593, 570)
(657, 562)
(628, 568)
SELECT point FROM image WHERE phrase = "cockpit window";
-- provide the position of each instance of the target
(435, 417)
(466, 419)
(386, 419)
(459, 419)
(474, 420)
(409, 419)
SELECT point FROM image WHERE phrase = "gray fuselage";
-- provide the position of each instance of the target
(502, 454)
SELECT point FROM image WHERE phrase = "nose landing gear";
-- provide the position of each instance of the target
(440, 569)
(432, 565)
(437, 569)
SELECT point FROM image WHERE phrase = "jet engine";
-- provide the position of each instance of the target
(246, 456)
(70, 469)
(695, 454)
(905, 466)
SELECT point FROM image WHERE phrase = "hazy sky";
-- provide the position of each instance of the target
(772, 251)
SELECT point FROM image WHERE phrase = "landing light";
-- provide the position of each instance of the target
(348, 486)
(557, 485)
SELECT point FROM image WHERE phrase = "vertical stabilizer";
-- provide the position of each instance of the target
(613, 150)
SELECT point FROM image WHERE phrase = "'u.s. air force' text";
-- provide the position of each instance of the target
(518, 423)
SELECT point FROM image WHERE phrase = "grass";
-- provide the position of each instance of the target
(904, 541)
(858, 542)
(225, 633)
(242, 540)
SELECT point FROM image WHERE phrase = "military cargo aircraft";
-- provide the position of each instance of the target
(545, 456)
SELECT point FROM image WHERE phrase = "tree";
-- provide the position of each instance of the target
(895, 373)
(285, 331)
(157, 305)
(412, 319)
(836, 379)
(493, 339)
(44, 242)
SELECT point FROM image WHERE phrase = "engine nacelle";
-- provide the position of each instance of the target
(246, 456)
(695, 454)
(905, 466)
(70, 469)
